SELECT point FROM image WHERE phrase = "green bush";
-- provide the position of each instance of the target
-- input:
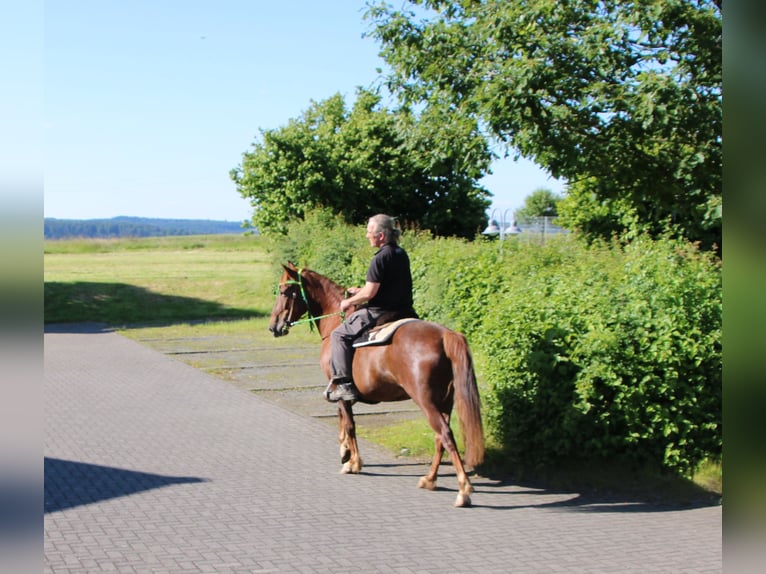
(436, 263)
(325, 243)
(597, 353)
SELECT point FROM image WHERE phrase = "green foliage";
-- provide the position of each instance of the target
(598, 352)
(624, 98)
(325, 243)
(444, 277)
(584, 211)
(368, 160)
(540, 203)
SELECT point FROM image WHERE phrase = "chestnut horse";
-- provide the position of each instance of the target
(423, 361)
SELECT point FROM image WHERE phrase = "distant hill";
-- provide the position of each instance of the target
(136, 227)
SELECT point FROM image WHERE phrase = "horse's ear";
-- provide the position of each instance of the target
(292, 265)
(291, 271)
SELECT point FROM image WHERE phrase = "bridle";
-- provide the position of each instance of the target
(311, 318)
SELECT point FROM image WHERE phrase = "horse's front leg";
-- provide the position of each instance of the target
(345, 449)
(349, 448)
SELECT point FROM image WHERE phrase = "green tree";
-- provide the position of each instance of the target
(358, 162)
(539, 203)
(621, 98)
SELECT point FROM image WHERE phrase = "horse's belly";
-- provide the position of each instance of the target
(374, 379)
(382, 394)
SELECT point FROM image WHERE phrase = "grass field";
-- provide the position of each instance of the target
(157, 281)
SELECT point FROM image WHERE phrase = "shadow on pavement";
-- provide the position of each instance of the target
(69, 483)
(580, 499)
(85, 328)
(591, 499)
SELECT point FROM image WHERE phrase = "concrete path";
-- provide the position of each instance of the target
(153, 466)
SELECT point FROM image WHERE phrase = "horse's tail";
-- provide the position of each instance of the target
(466, 396)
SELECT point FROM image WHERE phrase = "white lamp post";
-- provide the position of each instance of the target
(503, 227)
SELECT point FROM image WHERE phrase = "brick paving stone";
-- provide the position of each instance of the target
(154, 466)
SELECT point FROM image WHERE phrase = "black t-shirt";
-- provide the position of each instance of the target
(390, 267)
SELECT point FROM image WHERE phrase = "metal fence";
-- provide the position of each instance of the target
(529, 227)
(545, 225)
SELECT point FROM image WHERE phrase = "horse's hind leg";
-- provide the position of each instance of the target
(465, 488)
(349, 448)
(445, 439)
(429, 480)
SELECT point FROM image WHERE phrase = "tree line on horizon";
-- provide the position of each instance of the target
(135, 227)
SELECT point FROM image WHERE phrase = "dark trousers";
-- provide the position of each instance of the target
(342, 339)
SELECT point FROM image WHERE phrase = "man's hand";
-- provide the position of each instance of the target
(350, 292)
(345, 304)
(359, 296)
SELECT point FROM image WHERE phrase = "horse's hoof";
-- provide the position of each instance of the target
(351, 468)
(462, 501)
(424, 482)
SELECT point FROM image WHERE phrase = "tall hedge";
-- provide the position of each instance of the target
(585, 352)
(605, 352)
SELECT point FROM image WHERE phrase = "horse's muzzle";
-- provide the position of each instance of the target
(279, 330)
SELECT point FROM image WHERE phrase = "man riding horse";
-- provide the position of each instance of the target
(422, 361)
(386, 296)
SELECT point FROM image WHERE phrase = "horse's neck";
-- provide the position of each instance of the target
(327, 296)
(324, 293)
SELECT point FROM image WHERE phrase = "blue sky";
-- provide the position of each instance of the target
(148, 104)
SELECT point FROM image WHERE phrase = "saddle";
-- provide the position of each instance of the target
(382, 334)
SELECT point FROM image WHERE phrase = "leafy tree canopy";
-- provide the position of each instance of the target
(541, 202)
(622, 99)
(423, 169)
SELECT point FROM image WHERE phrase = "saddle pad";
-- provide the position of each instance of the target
(381, 335)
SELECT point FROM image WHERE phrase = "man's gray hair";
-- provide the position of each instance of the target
(387, 225)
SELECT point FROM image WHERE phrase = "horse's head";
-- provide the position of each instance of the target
(291, 301)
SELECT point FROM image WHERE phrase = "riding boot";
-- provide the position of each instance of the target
(341, 390)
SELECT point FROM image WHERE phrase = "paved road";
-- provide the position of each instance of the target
(284, 371)
(154, 466)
